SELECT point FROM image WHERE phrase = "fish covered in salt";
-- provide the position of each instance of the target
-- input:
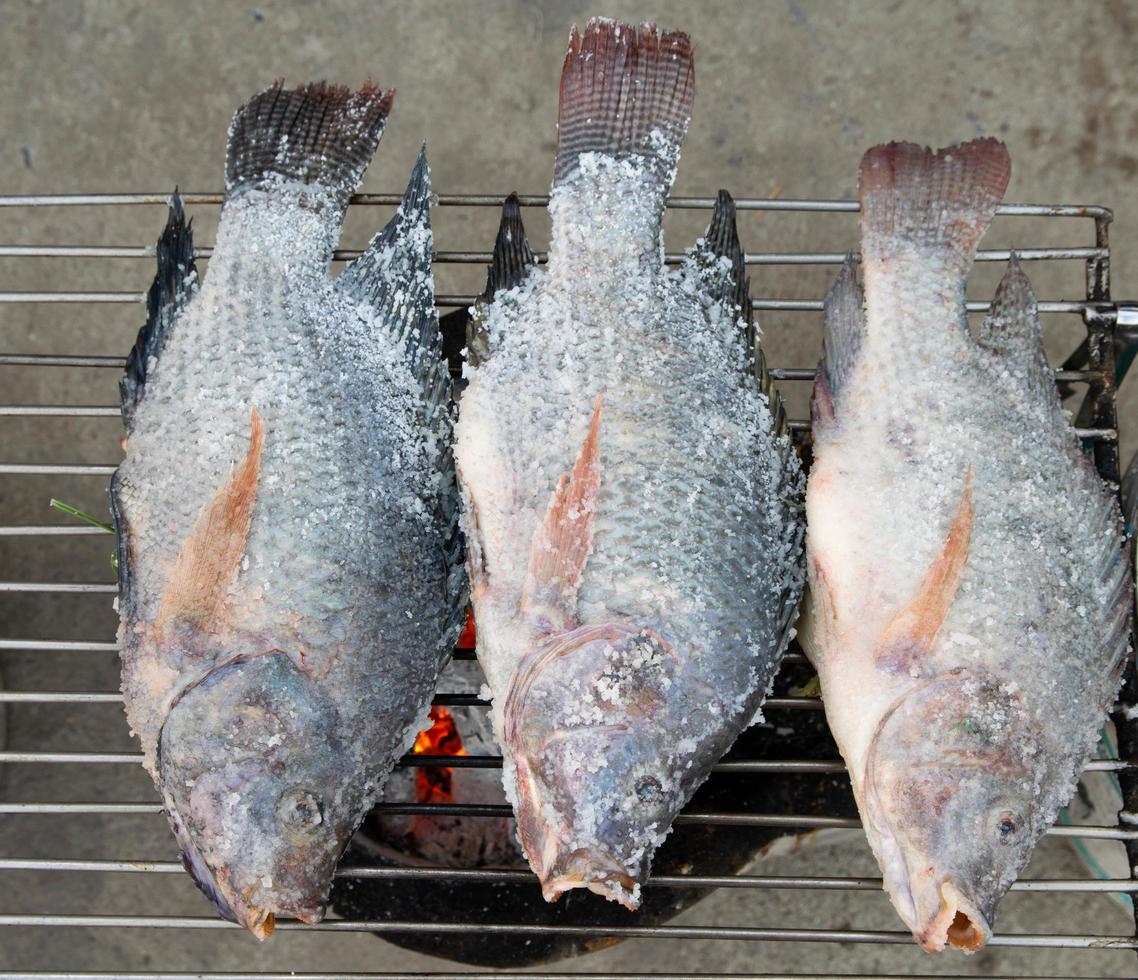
(631, 505)
(969, 586)
(288, 552)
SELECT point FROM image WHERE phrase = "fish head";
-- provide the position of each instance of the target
(596, 789)
(252, 775)
(951, 789)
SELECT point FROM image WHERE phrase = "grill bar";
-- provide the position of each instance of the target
(484, 258)
(457, 300)
(94, 587)
(99, 646)
(48, 530)
(106, 469)
(527, 877)
(495, 762)
(60, 645)
(788, 821)
(525, 929)
(1098, 428)
(97, 361)
(1094, 211)
(449, 700)
(467, 976)
(446, 761)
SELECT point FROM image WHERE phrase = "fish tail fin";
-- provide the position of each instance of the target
(938, 203)
(318, 134)
(626, 92)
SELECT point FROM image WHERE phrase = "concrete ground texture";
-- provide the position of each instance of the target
(126, 96)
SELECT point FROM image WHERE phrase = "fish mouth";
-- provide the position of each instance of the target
(957, 923)
(261, 919)
(260, 922)
(559, 867)
(588, 868)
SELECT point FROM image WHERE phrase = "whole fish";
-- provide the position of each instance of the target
(289, 578)
(633, 542)
(969, 588)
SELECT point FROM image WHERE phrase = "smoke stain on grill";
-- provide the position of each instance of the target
(691, 849)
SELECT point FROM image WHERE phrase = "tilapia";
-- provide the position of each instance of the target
(633, 544)
(290, 577)
(968, 582)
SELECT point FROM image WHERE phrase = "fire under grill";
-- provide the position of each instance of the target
(435, 868)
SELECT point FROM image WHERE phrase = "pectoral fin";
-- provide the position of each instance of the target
(564, 539)
(911, 632)
(817, 625)
(211, 553)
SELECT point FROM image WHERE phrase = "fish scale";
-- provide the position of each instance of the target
(968, 612)
(633, 545)
(290, 582)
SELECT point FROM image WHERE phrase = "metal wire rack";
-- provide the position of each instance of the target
(1096, 422)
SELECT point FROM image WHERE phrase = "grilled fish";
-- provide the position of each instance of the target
(969, 603)
(290, 582)
(633, 544)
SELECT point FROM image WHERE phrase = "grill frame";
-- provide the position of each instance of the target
(1096, 421)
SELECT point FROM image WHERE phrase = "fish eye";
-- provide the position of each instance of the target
(648, 789)
(1007, 827)
(300, 810)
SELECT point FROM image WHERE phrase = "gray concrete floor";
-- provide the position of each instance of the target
(123, 95)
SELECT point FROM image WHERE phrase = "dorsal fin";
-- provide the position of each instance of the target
(1115, 573)
(564, 539)
(843, 330)
(1012, 330)
(729, 285)
(513, 258)
(392, 280)
(725, 283)
(722, 241)
(174, 285)
(911, 632)
(1130, 496)
(510, 265)
(791, 492)
(212, 551)
(124, 545)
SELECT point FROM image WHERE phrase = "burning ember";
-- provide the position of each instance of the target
(434, 784)
(438, 839)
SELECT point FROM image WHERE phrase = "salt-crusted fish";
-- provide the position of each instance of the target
(289, 578)
(633, 542)
(969, 611)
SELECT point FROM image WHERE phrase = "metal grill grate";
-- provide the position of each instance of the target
(1096, 422)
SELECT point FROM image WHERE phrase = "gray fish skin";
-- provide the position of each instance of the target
(283, 514)
(632, 543)
(969, 588)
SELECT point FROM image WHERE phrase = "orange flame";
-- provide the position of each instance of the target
(433, 783)
(468, 639)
